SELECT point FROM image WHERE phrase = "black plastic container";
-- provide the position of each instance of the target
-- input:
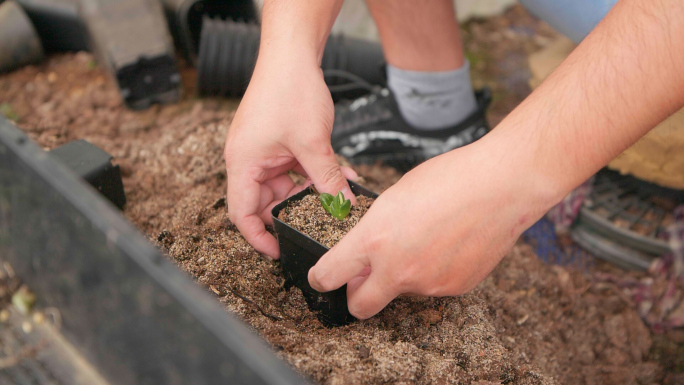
(58, 24)
(228, 51)
(635, 204)
(19, 42)
(299, 253)
(131, 38)
(95, 166)
(127, 310)
(186, 18)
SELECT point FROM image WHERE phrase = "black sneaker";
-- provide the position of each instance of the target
(371, 129)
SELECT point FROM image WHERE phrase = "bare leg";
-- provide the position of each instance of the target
(418, 35)
(426, 71)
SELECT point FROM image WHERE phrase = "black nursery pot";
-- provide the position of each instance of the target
(299, 253)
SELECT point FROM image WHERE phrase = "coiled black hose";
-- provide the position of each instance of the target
(228, 52)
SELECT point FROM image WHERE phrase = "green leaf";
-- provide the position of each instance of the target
(343, 210)
(337, 206)
(327, 201)
(23, 299)
(7, 111)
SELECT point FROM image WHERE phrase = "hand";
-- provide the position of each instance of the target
(283, 123)
(438, 232)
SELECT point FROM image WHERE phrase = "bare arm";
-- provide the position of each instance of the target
(445, 225)
(284, 120)
(296, 26)
(622, 80)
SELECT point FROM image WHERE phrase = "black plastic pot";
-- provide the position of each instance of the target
(299, 253)
(131, 38)
(186, 17)
(58, 24)
(228, 51)
(19, 42)
(95, 166)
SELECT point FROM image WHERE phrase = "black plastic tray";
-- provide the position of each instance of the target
(125, 307)
(58, 24)
(299, 253)
(630, 201)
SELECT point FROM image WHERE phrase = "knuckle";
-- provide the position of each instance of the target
(407, 277)
(323, 279)
(435, 290)
(404, 279)
(356, 309)
(373, 243)
(309, 142)
(330, 173)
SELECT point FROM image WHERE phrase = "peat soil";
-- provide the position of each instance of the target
(309, 217)
(527, 323)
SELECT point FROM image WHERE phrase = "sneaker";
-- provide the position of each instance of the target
(371, 129)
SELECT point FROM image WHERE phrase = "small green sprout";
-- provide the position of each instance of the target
(23, 299)
(337, 206)
(7, 111)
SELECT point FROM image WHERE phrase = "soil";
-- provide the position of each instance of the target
(309, 217)
(527, 323)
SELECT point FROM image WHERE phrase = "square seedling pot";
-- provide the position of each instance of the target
(299, 253)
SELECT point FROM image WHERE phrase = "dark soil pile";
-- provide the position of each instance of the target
(309, 217)
(528, 323)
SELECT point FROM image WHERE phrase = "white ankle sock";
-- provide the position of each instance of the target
(433, 100)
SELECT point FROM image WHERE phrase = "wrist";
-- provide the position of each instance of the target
(287, 57)
(521, 173)
(297, 27)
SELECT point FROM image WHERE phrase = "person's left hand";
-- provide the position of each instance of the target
(438, 232)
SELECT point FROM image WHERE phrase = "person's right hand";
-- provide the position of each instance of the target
(283, 123)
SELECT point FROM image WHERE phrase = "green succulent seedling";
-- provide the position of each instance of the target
(337, 206)
(7, 111)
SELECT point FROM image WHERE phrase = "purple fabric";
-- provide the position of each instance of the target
(563, 214)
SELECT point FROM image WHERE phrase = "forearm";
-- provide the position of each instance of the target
(625, 77)
(296, 29)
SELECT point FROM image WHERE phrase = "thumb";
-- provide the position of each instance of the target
(339, 265)
(324, 171)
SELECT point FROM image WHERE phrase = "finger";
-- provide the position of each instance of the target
(281, 186)
(279, 191)
(274, 171)
(254, 231)
(349, 173)
(370, 296)
(355, 282)
(300, 170)
(244, 198)
(322, 167)
(266, 196)
(339, 265)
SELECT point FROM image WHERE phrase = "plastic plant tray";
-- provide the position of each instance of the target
(58, 24)
(624, 219)
(133, 315)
